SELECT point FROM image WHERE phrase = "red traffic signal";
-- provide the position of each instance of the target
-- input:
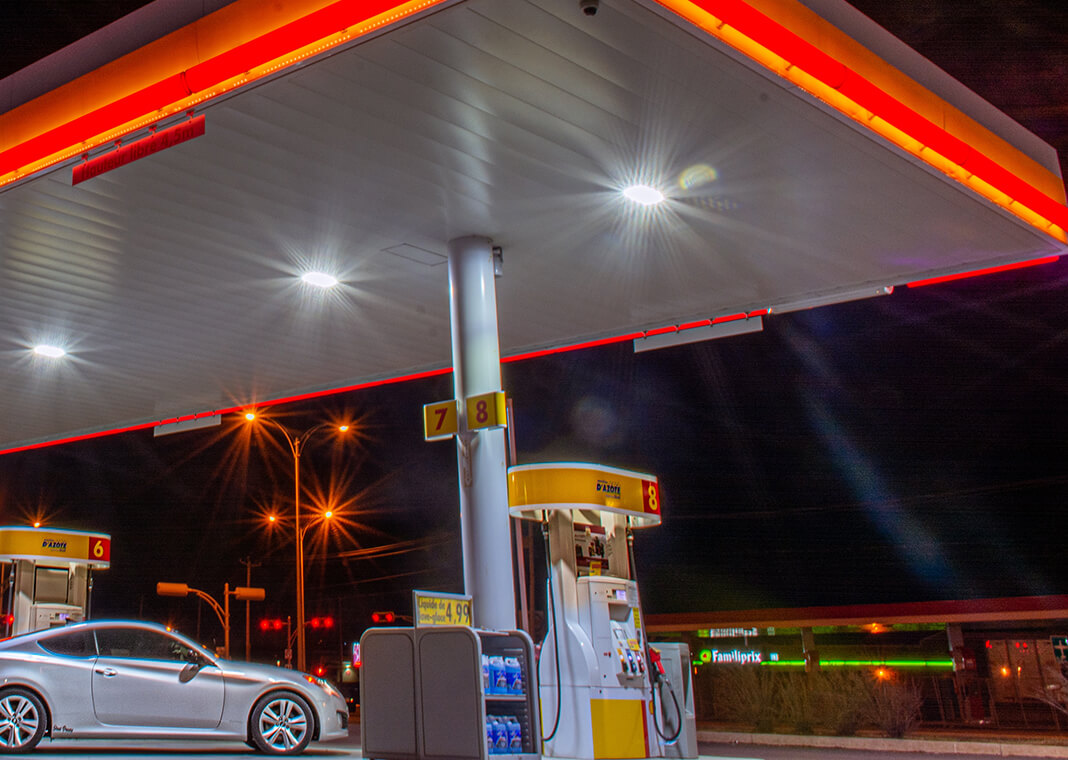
(321, 622)
(271, 624)
(386, 616)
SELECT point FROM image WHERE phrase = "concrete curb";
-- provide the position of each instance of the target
(876, 744)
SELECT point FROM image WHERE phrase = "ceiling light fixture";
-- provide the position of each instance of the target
(319, 279)
(643, 194)
(52, 352)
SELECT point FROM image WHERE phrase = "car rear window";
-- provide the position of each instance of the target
(70, 644)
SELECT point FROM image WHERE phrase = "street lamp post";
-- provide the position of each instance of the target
(296, 444)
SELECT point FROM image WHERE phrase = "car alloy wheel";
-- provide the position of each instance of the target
(22, 720)
(282, 724)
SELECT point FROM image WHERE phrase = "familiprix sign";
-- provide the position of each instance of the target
(156, 142)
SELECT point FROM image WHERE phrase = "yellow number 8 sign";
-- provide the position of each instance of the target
(650, 496)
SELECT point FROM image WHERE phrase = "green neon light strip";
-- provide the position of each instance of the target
(866, 663)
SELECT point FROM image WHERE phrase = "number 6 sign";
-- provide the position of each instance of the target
(100, 549)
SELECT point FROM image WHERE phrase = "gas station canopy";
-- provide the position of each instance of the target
(805, 156)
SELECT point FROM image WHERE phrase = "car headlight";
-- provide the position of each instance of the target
(323, 684)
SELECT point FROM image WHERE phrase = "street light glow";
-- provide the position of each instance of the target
(296, 443)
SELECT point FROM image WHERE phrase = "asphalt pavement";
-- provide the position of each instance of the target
(713, 745)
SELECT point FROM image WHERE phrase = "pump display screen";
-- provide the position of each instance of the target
(621, 594)
(50, 585)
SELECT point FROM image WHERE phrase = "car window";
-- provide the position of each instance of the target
(142, 644)
(70, 643)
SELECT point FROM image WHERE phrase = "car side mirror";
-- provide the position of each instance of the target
(186, 674)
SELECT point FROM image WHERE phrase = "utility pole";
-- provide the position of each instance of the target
(249, 564)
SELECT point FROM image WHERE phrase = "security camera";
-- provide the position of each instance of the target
(589, 7)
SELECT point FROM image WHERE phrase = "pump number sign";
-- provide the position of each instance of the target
(435, 608)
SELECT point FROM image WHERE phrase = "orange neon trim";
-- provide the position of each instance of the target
(246, 41)
(778, 33)
(980, 272)
(242, 42)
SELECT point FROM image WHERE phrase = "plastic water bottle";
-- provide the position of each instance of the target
(491, 740)
(513, 675)
(486, 675)
(500, 736)
(498, 678)
(515, 735)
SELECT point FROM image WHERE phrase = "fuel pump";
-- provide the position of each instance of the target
(51, 575)
(596, 682)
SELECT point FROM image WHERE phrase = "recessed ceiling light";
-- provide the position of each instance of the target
(319, 279)
(643, 194)
(52, 352)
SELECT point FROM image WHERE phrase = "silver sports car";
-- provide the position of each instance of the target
(134, 680)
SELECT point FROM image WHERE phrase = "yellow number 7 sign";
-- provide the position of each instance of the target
(439, 420)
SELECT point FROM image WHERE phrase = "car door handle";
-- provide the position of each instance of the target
(107, 672)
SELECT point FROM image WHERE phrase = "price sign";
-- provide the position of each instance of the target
(436, 608)
(439, 420)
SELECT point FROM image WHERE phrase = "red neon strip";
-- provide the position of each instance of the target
(729, 318)
(661, 331)
(134, 151)
(797, 51)
(229, 410)
(692, 325)
(980, 272)
(758, 313)
(573, 347)
(313, 395)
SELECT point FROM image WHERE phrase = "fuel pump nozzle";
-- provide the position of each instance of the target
(656, 665)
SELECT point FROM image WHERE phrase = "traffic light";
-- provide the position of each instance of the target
(272, 624)
(385, 616)
(321, 622)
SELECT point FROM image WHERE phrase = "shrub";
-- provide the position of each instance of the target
(843, 700)
(895, 707)
(748, 695)
(798, 701)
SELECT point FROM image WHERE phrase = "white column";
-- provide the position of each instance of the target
(476, 361)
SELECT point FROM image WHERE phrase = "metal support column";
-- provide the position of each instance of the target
(476, 360)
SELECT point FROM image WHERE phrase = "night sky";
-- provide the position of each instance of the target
(905, 448)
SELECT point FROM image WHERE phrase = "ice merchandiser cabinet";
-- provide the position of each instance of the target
(425, 695)
(596, 684)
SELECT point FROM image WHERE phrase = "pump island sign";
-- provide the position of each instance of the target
(72, 546)
(535, 488)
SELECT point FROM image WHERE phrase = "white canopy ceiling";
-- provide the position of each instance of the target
(174, 280)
